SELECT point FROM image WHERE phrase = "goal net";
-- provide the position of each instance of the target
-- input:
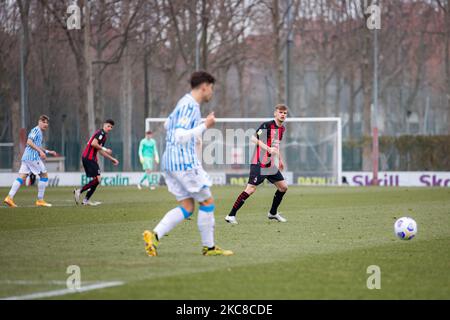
(311, 149)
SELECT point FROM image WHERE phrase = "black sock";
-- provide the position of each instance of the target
(91, 191)
(276, 202)
(89, 185)
(239, 203)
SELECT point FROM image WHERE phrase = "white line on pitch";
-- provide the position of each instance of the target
(33, 206)
(56, 293)
(31, 282)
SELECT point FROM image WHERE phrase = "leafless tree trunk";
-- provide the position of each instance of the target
(89, 76)
(277, 25)
(366, 81)
(15, 112)
(127, 99)
(206, 7)
(447, 58)
(147, 87)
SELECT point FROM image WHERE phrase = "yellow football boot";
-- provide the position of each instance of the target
(216, 251)
(9, 202)
(151, 242)
(42, 203)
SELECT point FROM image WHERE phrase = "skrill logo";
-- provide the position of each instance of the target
(434, 181)
(386, 180)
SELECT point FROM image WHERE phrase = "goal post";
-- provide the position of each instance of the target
(311, 147)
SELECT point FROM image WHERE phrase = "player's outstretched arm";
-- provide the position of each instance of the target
(107, 155)
(51, 152)
(140, 151)
(264, 146)
(280, 162)
(38, 149)
(104, 151)
(185, 135)
(99, 147)
(156, 152)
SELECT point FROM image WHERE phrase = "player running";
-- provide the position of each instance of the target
(267, 139)
(33, 163)
(89, 158)
(147, 153)
(183, 172)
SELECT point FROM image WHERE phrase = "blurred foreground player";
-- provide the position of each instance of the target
(183, 172)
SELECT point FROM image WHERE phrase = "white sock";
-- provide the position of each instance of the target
(206, 222)
(15, 187)
(170, 221)
(43, 182)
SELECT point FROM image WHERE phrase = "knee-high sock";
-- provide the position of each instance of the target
(144, 177)
(150, 180)
(239, 203)
(91, 192)
(90, 184)
(206, 224)
(15, 187)
(43, 182)
(171, 220)
(276, 201)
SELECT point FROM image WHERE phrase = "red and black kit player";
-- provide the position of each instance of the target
(264, 166)
(89, 158)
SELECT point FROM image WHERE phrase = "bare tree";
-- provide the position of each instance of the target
(445, 7)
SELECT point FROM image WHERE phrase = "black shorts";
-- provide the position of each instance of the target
(256, 178)
(91, 168)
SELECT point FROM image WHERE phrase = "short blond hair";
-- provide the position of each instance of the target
(281, 107)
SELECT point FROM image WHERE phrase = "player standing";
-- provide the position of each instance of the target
(33, 163)
(267, 139)
(183, 172)
(89, 158)
(147, 153)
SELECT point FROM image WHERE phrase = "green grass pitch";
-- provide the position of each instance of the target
(332, 236)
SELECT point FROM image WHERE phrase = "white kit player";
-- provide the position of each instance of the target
(33, 162)
(183, 172)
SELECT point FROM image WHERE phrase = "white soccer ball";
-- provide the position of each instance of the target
(405, 228)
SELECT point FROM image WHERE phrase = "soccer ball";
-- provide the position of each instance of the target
(405, 228)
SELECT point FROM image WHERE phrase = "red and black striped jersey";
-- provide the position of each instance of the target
(90, 152)
(271, 135)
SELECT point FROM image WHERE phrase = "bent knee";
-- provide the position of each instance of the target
(250, 189)
(187, 212)
(283, 188)
(188, 205)
(207, 202)
(189, 208)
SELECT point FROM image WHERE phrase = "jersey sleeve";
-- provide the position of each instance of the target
(155, 149)
(261, 132)
(283, 130)
(98, 135)
(101, 137)
(187, 117)
(33, 135)
(141, 148)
